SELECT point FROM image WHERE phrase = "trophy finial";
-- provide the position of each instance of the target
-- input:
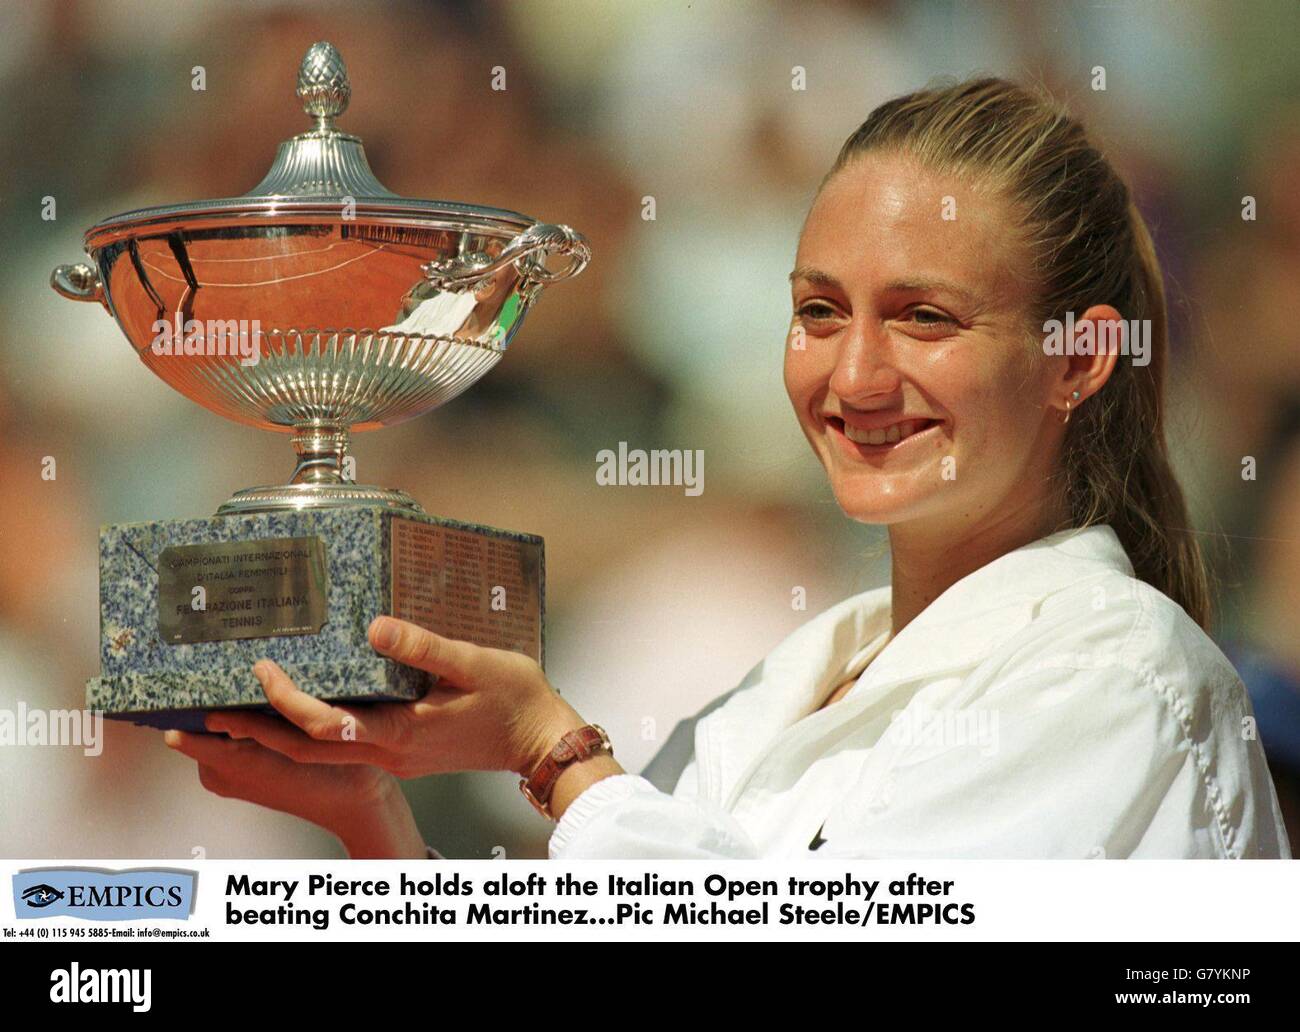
(322, 162)
(323, 85)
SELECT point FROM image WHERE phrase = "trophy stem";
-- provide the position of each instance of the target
(322, 449)
(319, 479)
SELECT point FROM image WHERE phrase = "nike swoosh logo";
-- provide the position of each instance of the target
(817, 840)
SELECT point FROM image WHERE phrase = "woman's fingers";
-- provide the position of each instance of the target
(318, 719)
(383, 725)
(288, 740)
(316, 732)
(204, 748)
(216, 758)
(460, 662)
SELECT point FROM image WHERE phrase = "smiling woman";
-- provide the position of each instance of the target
(1036, 681)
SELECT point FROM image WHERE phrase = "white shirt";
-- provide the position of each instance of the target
(1047, 705)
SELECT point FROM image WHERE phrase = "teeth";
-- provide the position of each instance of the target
(888, 435)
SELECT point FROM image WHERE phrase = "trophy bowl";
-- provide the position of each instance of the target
(320, 303)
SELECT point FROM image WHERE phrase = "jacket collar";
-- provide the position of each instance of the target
(955, 632)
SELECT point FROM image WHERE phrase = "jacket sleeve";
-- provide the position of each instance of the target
(625, 817)
(1070, 761)
(1063, 762)
(642, 817)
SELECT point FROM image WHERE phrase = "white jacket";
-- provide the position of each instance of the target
(1046, 705)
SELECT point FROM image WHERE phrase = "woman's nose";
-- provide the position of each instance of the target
(865, 365)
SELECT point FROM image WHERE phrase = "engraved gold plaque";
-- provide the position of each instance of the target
(242, 589)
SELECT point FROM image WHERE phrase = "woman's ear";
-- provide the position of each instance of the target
(1098, 338)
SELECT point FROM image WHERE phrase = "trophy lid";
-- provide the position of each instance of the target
(318, 172)
(323, 162)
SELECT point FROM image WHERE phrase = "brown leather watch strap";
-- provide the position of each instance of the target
(575, 746)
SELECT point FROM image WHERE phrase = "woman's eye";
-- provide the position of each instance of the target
(930, 319)
(816, 310)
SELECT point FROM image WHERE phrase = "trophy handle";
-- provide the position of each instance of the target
(470, 269)
(79, 282)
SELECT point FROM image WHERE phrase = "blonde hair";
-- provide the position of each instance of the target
(1089, 245)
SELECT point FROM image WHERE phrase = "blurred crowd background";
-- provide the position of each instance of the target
(658, 602)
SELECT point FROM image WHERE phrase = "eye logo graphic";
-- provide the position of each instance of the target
(38, 897)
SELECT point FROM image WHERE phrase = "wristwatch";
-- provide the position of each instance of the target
(573, 747)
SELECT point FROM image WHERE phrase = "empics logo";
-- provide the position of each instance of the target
(38, 897)
(74, 984)
(97, 895)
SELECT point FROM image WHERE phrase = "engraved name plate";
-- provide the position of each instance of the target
(242, 589)
(475, 586)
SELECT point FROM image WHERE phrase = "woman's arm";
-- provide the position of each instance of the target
(386, 830)
(361, 805)
(338, 766)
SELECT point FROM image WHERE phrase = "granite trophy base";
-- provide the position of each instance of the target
(443, 574)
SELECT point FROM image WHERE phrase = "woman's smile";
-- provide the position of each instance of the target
(861, 437)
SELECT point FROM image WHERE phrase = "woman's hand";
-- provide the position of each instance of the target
(362, 805)
(490, 710)
(335, 765)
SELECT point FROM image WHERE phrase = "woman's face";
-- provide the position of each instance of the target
(908, 361)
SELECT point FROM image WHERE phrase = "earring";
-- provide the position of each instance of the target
(1075, 396)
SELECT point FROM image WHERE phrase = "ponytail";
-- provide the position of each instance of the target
(1117, 460)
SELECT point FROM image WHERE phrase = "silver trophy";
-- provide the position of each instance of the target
(318, 304)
